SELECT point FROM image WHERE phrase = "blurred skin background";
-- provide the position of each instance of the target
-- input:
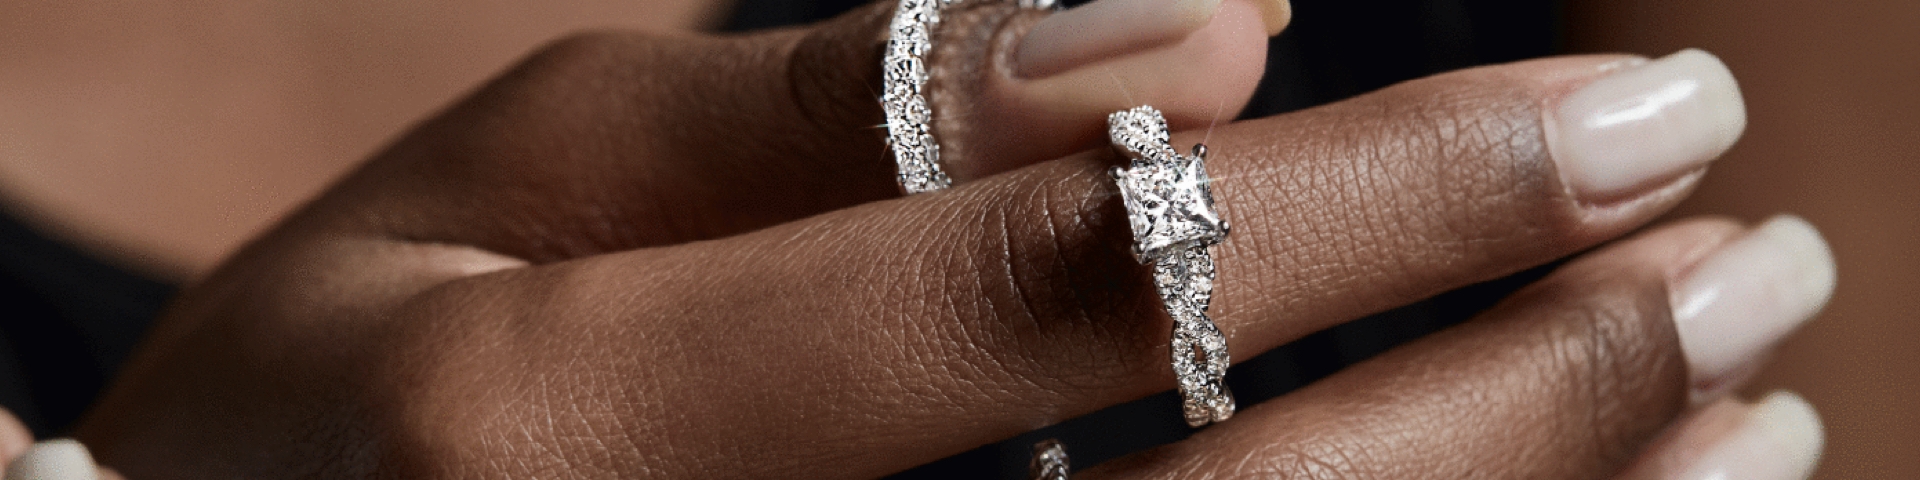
(160, 135)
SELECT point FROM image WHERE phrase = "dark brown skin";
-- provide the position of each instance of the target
(652, 257)
(1499, 397)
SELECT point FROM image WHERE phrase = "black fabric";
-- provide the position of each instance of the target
(1334, 49)
(67, 322)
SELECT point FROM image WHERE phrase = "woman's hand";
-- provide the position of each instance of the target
(681, 257)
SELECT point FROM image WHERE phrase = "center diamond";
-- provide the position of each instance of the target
(1169, 204)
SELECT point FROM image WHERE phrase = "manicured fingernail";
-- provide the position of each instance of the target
(1643, 124)
(54, 460)
(1109, 28)
(1780, 439)
(1741, 300)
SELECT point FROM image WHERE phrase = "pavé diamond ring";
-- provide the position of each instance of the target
(1169, 201)
(904, 73)
(1049, 461)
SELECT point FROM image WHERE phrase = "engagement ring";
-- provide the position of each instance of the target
(1169, 201)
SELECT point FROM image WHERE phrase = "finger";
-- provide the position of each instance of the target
(1570, 378)
(62, 459)
(913, 329)
(1779, 438)
(612, 140)
(14, 436)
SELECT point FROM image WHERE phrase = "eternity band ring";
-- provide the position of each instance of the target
(904, 75)
(1169, 201)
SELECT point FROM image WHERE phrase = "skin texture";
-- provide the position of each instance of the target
(634, 256)
(1470, 402)
(162, 134)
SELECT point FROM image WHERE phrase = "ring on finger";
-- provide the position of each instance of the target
(1049, 461)
(1169, 202)
(904, 77)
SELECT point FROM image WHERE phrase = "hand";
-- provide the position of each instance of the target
(1569, 378)
(678, 257)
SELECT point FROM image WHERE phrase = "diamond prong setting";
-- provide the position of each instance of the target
(1169, 197)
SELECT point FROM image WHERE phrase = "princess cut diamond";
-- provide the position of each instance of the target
(1169, 205)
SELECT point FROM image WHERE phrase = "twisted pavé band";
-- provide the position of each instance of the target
(1169, 201)
(1049, 461)
(904, 77)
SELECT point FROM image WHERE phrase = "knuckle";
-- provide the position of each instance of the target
(584, 49)
(566, 69)
(1059, 305)
(446, 386)
(561, 86)
(831, 74)
(1488, 121)
(1450, 167)
(1618, 362)
(1478, 150)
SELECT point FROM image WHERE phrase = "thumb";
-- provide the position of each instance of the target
(617, 140)
(1010, 86)
(1043, 87)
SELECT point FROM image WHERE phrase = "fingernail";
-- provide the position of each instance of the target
(1744, 298)
(1780, 439)
(1647, 123)
(1109, 28)
(61, 459)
